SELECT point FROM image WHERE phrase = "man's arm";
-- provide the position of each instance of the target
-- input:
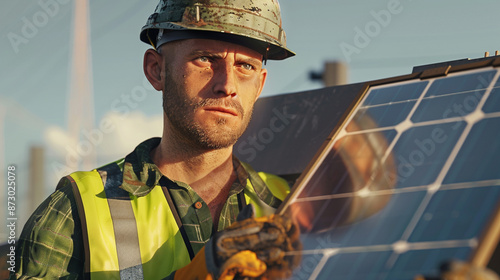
(50, 245)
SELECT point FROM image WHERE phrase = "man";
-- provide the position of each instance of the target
(169, 209)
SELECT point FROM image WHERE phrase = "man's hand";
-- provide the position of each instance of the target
(270, 238)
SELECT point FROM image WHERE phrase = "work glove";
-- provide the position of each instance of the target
(457, 270)
(264, 248)
(244, 264)
(273, 239)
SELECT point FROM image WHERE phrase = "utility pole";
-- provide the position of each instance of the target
(81, 105)
(37, 178)
(334, 73)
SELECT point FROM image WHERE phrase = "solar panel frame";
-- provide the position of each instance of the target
(488, 240)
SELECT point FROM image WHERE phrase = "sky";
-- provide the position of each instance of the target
(377, 38)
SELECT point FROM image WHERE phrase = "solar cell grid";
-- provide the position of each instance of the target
(412, 179)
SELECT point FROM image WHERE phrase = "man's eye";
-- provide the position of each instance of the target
(247, 66)
(203, 59)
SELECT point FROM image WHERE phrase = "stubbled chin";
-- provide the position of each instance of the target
(221, 134)
(220, 119)
(219, 138)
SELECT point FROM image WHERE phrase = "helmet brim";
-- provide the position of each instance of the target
(270, 50)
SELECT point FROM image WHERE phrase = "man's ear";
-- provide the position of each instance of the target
(262, 80)
(153, 64)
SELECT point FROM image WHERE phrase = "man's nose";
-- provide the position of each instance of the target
(225, 81)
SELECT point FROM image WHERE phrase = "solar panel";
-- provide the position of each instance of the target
(409, 180)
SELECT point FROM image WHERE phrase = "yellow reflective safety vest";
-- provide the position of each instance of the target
(131, 237)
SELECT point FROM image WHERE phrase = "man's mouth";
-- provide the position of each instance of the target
(223, 110)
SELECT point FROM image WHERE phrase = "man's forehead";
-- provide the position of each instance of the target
(216, 46)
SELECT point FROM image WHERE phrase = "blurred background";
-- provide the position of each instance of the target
(52, 89)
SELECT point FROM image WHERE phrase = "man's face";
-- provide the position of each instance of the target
(210, 89)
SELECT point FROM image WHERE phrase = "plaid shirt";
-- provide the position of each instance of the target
(51, 243)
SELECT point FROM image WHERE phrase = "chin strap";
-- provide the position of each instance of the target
(151, 41)
(265, 55)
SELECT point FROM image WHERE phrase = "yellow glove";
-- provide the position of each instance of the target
(244, 264)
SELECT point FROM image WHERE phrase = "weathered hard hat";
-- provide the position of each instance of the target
(253, 23)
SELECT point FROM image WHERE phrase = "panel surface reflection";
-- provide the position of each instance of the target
(385, 226)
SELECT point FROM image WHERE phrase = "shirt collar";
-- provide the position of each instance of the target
(241, 177)
(140, 174)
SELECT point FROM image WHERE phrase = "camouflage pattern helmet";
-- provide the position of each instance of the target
(253, 23)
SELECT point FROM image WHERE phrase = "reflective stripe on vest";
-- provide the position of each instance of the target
(138, 237)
